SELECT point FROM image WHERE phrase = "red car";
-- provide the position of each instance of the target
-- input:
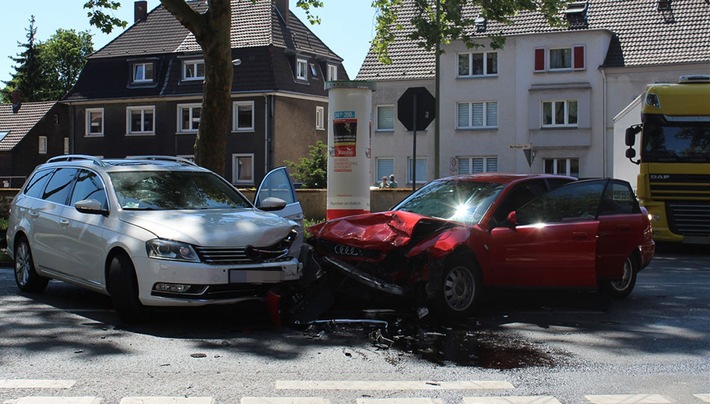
(440, 246)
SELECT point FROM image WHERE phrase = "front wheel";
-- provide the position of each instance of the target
(622, 288)
(123, 287)
(458, 291)
(26, 277)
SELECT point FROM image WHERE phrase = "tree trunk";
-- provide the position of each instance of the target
(212, 31)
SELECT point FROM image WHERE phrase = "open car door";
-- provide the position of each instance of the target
(278, 184)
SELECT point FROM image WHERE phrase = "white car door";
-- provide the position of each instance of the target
(277, 183)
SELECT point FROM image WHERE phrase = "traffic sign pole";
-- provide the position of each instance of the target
(414, 143)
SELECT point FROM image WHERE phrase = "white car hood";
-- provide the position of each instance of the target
(214, 227)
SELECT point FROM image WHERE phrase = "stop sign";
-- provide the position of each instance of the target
(422, 113)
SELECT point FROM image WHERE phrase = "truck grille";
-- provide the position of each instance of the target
(669, 187)
(690, 218)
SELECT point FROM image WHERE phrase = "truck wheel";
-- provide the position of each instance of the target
(123, 288)
(623, 287)
(26, 277)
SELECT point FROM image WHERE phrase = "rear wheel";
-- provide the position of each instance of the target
(622, 288)
(123, 287)
(26, 277)
(458, 291)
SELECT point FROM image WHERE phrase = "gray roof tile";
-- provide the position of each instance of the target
(19, 124)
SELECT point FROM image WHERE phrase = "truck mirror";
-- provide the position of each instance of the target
(630, 136)
(630, 153)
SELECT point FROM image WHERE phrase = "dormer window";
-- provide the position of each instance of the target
(332, 72)
(302, 69)
(193, 70)
(143, 72)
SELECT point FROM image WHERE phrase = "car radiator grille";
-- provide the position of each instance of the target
(220, 256)
(689, 218)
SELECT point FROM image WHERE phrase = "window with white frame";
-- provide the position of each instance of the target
(384, 166)
(243, 116)
(302, 69)
(385, 118)
(474, 115)
(142, 72)
(140, 120)
(562, 166)
(332, 72)
(42, 145)
(66, 145)
(478, 64)
(193, 69)
(94, 122)
(189, 117)
(560, 59)
(475, 165)
(320, 118)
(242, 169)
(420, 170)
(559, 113)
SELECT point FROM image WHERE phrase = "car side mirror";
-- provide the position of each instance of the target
(271, 203)
(91, 207)
(512, 218)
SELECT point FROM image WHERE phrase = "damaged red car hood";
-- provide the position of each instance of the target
(383, 231)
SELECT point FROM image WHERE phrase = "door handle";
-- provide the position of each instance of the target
(579, 235)
(623, 227)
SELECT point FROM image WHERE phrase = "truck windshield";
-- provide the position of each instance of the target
(682, 142)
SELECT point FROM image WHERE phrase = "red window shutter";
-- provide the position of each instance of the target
(579, 57)
(539, 60)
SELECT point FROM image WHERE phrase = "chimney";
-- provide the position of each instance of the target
(140, 10)
(282, 7)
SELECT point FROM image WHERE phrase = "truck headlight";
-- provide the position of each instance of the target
(171, 250)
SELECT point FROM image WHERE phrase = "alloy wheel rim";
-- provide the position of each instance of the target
(622, 284)
(22, 264)
(459, 289)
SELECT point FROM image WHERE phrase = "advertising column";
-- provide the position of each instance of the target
(349, 131)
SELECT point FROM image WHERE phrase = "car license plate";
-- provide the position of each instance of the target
(243, 276)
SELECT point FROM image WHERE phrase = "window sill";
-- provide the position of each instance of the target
(140, 134)
(238, 131)
(95, 135)
(481, 129)
(478, 76)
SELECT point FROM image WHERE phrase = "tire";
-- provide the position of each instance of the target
(458, 291)
(123, 288)
(622, 288)
(26, 277)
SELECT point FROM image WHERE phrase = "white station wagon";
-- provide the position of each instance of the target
(153, 231)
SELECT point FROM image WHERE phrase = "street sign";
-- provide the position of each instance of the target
(416, 102)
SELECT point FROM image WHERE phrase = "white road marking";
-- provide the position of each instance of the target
(389, 385)
(55, 400)
(512, 400)
(284, 400)
(703, 397)
(36, 384)
(629, 399)
(397, 401)
(167, 400)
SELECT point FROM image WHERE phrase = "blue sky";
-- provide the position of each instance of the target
(347, 26)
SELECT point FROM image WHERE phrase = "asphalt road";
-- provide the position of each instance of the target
(542, 347)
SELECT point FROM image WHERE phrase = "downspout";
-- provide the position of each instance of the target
(604, 123)
(268, 131)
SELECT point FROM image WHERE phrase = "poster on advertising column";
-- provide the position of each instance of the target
(345, 133)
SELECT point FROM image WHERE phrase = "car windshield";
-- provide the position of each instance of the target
(173, 190)
(460, 201)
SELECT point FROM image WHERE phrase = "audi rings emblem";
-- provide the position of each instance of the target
(347, 250)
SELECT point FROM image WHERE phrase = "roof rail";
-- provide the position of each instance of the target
(165, 158)
(77, 157)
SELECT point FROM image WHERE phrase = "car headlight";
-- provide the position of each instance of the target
(171, 250)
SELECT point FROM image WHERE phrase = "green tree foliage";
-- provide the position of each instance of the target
(434, 25)
(312, 171)
(45, 71)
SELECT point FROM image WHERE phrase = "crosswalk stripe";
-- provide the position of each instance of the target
(703, 397)
(36, 384)
(284, 400)
(167, 400)
(389, 385)
(512, 400)
(397, 401)
(55, 400)
(628, 399)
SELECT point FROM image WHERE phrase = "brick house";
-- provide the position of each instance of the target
(142, 92)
